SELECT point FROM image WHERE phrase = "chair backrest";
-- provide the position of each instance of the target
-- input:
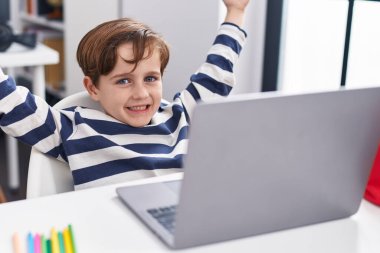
(47, 175)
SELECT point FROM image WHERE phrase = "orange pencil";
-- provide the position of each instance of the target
(17, 247)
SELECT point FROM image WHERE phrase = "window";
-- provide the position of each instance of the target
(312, 44)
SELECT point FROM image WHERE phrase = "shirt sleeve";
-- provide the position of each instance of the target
(215, 77)
(31, 120)
(3, 77)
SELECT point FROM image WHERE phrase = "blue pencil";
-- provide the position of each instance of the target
(30, 243)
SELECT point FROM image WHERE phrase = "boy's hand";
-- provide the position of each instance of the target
(235, 11)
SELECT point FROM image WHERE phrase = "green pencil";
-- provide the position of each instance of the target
(43, 244)
(61, 244)
(72, 238)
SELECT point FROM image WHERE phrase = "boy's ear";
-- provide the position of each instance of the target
(91, 88)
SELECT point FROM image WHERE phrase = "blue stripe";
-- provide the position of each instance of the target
(21, 111)
(178, 96)
(229, 42)
(67, 127)
(193, 92)
(111, 168)
(7, 87)
(211, 84)
(220, 61)
(58, 151)
(92, 143)
(238, 27)
(41, 132)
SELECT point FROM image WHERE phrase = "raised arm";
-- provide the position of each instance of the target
(235, 11)
(215, 77)
(30, 119)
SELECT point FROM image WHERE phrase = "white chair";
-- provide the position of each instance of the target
(47, 175)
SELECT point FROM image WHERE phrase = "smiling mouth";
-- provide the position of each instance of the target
(139, 108)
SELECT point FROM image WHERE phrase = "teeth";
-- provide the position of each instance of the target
(138, 108)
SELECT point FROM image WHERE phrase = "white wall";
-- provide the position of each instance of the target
(188, 26)
(80, 17)
(250, 66)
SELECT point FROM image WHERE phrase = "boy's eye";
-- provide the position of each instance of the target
(150, 79)
(123, 81)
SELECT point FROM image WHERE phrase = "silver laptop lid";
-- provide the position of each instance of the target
(276, 162)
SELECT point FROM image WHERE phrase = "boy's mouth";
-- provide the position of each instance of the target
(138, 108)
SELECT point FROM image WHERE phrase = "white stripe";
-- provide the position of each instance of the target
(233, 32)
(228, 54)
(217, 74)
(84, 131)
(113, 153)
(14, 99)
(160, 117)
(30, 122)
(188, 102)
(49, 142)
(127, 177)
(3, 77)
(54, 139)
(157, 119)
(94, 114)
(206, 94)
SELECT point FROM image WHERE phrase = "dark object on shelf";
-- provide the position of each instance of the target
(4, 11)
(7, 38)
(57, 9)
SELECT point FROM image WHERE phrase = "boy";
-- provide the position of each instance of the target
(138, 134)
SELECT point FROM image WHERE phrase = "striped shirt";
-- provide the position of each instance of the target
(102, 150)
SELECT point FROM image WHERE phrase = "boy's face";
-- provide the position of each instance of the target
(130, 97)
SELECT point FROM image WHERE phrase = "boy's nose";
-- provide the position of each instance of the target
(140, 92)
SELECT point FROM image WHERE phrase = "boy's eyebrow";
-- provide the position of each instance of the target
(126, 74)
(119, 75)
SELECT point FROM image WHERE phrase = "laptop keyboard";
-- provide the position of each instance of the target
(165, 216)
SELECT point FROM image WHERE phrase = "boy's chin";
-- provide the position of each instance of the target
(137, 124)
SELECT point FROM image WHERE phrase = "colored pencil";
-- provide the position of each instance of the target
(54, 241)
(30, 243)
(43, 244)
(37, 243)
(72, 238)
(48, 246)
(17, 247)
(67, 241)
(61, 243)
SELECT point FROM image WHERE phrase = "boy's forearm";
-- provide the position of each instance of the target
(235, 16)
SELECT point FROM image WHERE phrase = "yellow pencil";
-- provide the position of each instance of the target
(54, 241)
(16, 243)
(67, 241)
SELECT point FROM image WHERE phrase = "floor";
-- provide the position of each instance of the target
(24, 151)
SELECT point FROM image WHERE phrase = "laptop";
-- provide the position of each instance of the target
(259, 163)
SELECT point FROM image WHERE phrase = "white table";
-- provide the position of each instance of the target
(103, 224)
(20, 56)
